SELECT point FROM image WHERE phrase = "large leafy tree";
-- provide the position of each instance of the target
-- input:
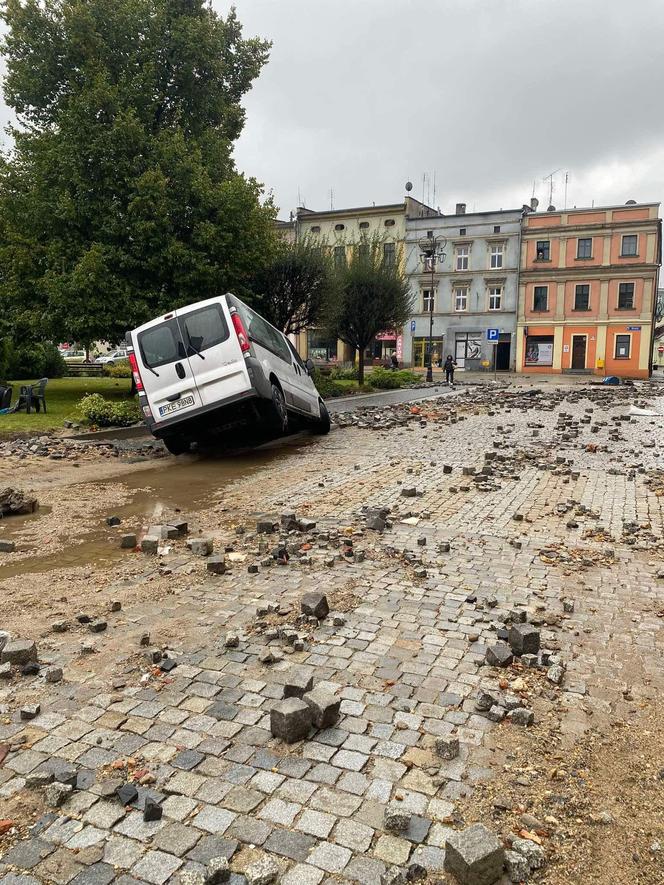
(374, 297)
(119, 198)
(295, 288)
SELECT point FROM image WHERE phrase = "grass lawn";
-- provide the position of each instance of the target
(62, 395)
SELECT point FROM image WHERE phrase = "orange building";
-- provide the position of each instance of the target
(587, 290)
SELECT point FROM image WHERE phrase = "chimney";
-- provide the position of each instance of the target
(534, 203)
(460, 209)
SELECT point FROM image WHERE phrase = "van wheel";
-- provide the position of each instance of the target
(322, 426)
(278, 416)
(177, 445)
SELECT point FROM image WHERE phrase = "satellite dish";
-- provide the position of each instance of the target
(630, 203)
(409, 185)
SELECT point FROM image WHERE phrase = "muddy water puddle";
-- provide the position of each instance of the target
(157, 494)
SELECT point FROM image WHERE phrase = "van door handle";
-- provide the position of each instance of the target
(179, 368)
(174, 397)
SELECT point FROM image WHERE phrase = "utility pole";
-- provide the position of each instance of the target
(431, 249)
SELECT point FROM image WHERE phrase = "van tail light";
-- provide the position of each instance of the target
(241, 333)
(134, 371)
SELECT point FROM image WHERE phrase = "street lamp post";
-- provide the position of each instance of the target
(431, 248)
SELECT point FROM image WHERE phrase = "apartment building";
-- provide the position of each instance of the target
(587, 290)
(467, 286)
(340, 230)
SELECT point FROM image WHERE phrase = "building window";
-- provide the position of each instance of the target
(462, 253)
(496, 228)
(626, 296)
(539, 350)
(315, 229)
(462, 231)
(428, 300)
(461, 298)
(389, 254)
(339, 256)
(495, 297)
(389, 222)
(543, 250)
(364, 225)
(629, 245)
(363, 252)
(541, 298)
(339, 226)
(623, 344)
(496, 257)
(584, 247)
(582, 297)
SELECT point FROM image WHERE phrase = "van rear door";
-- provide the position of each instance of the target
(214, 351)
(165, 368)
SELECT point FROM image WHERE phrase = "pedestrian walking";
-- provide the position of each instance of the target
(449, 369)
(394, 361)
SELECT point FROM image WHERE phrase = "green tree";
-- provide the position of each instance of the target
(120, 198)
(294, 290)
(374, 297)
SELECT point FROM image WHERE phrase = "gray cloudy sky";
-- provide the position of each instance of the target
(490, 95)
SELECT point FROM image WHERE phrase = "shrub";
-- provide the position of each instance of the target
(339, 374)
(121, 369)
(326, 386)
(388, 379)
(107, 412)
(36, 360)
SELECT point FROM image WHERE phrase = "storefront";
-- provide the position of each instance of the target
(421, 349)
(321, 347)
(468, 350)
(382, 347)
(539, 350)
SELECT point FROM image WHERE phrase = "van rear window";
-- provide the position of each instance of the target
(205, 327)
(161, 344)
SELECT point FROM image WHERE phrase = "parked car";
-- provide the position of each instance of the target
(73, 356)
(110, 359)
(214, 366)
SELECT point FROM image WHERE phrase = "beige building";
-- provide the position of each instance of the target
(339, 230)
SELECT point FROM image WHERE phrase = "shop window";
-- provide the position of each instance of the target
(623, 347)
(539, 350)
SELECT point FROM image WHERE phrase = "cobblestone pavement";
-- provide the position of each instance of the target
(564, 524)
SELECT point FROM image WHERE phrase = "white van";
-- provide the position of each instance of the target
(217, 365)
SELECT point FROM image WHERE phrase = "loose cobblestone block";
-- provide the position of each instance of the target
(200, 546)
(524, 639)
(290, 720)
(499, 655)
(150, 544)
(521, 716)
(7, 546)
(298, 682)
(64, 772)
(396, 817)
(262, 872)
(533, 853)
(474, 855)
(447, 747)
(127, 794)
(516, 867)
(315, 604)
(56, 793)
(216, 564)
(324, 706)
(555, 674)
(30, 711)
(217, 871)
(128, 541)
(18, 651)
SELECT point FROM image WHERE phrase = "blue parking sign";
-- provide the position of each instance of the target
(492, 334)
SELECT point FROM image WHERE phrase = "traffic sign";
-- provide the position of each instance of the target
(492, 334)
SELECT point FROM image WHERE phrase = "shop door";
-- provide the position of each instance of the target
(579, 352)
(502, 356)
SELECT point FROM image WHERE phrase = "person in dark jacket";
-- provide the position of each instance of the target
(449, 369)
(394, 361)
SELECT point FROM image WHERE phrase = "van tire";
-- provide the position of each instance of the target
(177, 445)
(322, 426)
(277, 411)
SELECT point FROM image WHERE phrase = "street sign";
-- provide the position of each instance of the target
(633, 328)
(492, 334)
(412, 325)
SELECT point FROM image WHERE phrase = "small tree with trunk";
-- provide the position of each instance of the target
(374, 296)
(295, 289)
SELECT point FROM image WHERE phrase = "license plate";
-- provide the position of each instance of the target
(177, 406)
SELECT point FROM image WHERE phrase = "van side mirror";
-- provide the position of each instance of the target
(309, 365)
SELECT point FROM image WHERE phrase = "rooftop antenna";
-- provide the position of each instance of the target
(331, 199)
(434, 188)
(566, 181)
(299, 196)
(424, 178)
(549, 178)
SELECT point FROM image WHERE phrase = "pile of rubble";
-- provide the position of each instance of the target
(59, 449)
